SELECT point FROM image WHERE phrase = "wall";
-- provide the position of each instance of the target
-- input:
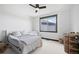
(75, 18)
(13, 22)
(63, 24)
(17, 18)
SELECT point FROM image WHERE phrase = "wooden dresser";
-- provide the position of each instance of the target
(71, 43)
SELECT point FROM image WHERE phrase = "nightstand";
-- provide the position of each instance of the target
(3, 47)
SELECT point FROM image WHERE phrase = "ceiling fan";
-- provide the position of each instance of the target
(37, 7)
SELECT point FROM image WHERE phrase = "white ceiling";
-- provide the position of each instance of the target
(26, 10)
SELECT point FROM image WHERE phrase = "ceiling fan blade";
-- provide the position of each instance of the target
(42, 7)
(37, 5)
(32, 5)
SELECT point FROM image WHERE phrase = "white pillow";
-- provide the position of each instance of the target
(13, 37)
(29, 33)
(24, 33)
(16, 33)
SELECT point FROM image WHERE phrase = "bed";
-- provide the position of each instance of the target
(24, 43)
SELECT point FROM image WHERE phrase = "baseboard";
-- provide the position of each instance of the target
(50, 39)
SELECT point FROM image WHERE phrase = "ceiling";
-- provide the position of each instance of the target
(26, 10)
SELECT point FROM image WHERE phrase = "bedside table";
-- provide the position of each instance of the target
(3, 46)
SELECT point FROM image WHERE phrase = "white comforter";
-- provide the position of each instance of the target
(28, 39)
(25, 39)
(24, 43)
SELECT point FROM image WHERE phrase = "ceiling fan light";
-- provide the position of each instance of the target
(36, 10)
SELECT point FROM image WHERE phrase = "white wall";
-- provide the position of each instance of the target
(17, 18)
(68, 21)
(13, 22)
(75, 18)
(63, 24)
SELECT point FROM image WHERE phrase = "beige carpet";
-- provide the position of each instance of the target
(50, 47)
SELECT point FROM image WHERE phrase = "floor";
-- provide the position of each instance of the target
(49, 47)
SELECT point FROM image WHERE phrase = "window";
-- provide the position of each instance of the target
(48, 24)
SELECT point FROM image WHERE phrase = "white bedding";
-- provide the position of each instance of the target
(25, 41)
(28, 39)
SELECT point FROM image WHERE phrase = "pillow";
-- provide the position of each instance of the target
(24, 33)
(29, 33)
(13, 37)
(16, 33)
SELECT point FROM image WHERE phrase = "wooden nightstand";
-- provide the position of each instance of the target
(3, 46)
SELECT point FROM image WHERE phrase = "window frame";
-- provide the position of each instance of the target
(48, 17)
